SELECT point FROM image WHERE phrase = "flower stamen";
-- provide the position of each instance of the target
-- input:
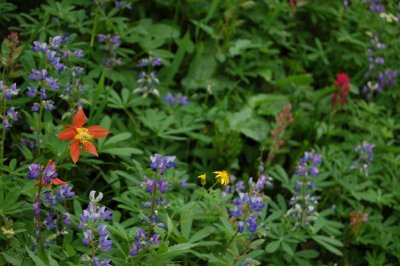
(83, 135)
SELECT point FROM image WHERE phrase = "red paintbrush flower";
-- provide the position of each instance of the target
(342, 84)
(49, 176)
(81, 135)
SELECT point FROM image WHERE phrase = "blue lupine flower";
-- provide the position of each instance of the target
(241, 200)
(256, 203)
(236, 212)
(31, 92)
(144, 62)
(148, 80)
(365, 151)
(156, 62)
(183, 100)
(154, 78)
(116, 40)
(52, 83)
(6, 123)
(169, 98)
(379, 60)
(248, 205)
(43, 94)
(308, 165)
(59, 66)
(183, 184)
(64, 192)
(36, 207)
(48, 105)
(142, 241)
(49, 221)
(79, 53)
(101, 37)
(252, 223)
(163, 185)
(52, 56)
(240, 226)
(104, 262)
(88, 236)
(140, 234)
(67, 219)
(365, 157)
(11, 113)
(161, 163)
(155, 239)
(302, 202)
(105, 215)
(77, 71)
(39, 46)
(56, 42)
(49, 198)
(239, 186)
(136, 248)
(150, 184)
(9, 91)
(38, 74)
(50, 173)
(262, 181)
(105, 244)
(123, 5)
(34, 171)
(35, 107)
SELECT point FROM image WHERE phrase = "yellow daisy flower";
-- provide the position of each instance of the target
(203, 178)
(222, 176)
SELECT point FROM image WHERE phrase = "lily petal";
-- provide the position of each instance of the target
(67, 134)
(98, 132)
(75, 151)
(79, 118)
(90, 148)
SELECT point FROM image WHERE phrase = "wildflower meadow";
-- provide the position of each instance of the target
(219, 132)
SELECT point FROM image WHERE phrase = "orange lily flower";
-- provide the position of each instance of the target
(81, 135)
(50, 173)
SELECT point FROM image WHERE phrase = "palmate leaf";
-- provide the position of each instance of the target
(329, 243)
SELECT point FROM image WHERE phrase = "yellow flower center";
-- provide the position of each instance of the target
(83, 135)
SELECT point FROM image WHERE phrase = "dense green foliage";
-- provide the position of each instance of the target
(248, 87)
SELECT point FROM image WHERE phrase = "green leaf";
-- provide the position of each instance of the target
(26, 153)
(177, 250)
(308, 254)
(268, 104)
(36, 259)
(122, 151)
(12, 258)
(272, 246)
(288, 249)
(203, 233)
(329, 243)
(117, 138)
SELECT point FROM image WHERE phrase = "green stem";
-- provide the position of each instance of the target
(230, 241)
(3, 133)
(96, 18)
(39, 130)
(193, 207)
(303, 198)
(3, 112)
(152, 209)
(131, 118)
